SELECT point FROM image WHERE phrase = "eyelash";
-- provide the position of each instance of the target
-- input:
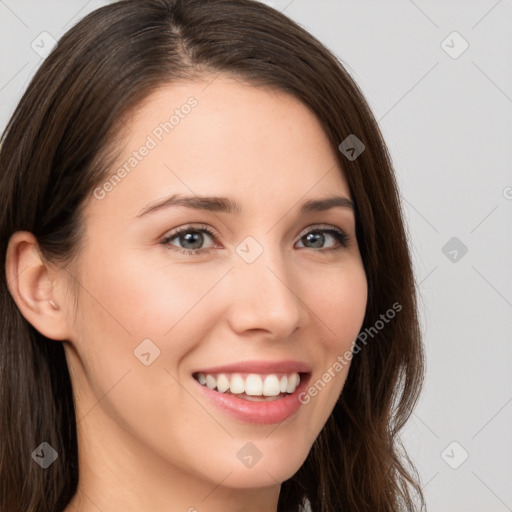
(342, 238)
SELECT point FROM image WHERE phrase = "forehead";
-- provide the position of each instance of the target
(218, 136)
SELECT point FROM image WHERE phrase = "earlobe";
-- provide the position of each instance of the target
(33, 287)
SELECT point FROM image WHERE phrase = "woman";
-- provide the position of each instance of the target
(208, 301)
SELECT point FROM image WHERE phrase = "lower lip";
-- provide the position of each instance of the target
(263, 412)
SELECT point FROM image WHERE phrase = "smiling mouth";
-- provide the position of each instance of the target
(252, 386)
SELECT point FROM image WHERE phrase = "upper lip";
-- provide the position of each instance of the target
(262, 367)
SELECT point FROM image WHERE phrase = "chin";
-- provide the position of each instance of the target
(260, 476)
(269, 470)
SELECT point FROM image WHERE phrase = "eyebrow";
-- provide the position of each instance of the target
(226, 205)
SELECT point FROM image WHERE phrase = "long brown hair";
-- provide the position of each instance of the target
(56, 149)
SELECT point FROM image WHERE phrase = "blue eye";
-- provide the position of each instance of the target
(318, 237)
(191, 239)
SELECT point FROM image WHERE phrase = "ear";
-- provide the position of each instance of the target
(34, 287)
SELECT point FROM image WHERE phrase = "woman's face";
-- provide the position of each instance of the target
(273, 291)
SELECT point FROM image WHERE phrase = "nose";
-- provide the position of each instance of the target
(266, 297)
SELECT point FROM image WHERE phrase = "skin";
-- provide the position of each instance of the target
(148, 440)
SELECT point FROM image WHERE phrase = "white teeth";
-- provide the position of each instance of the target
(293, 382)
(222, 383)
(211, 381)
(271, 386)
(284, 384)
(253, 385)
(237, 385)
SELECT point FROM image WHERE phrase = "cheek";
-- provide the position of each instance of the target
(129, 302)
(125, 305)
(341, 305)
(340, 310)
(147, 298)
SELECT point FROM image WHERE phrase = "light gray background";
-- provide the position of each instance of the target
(448, 125)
